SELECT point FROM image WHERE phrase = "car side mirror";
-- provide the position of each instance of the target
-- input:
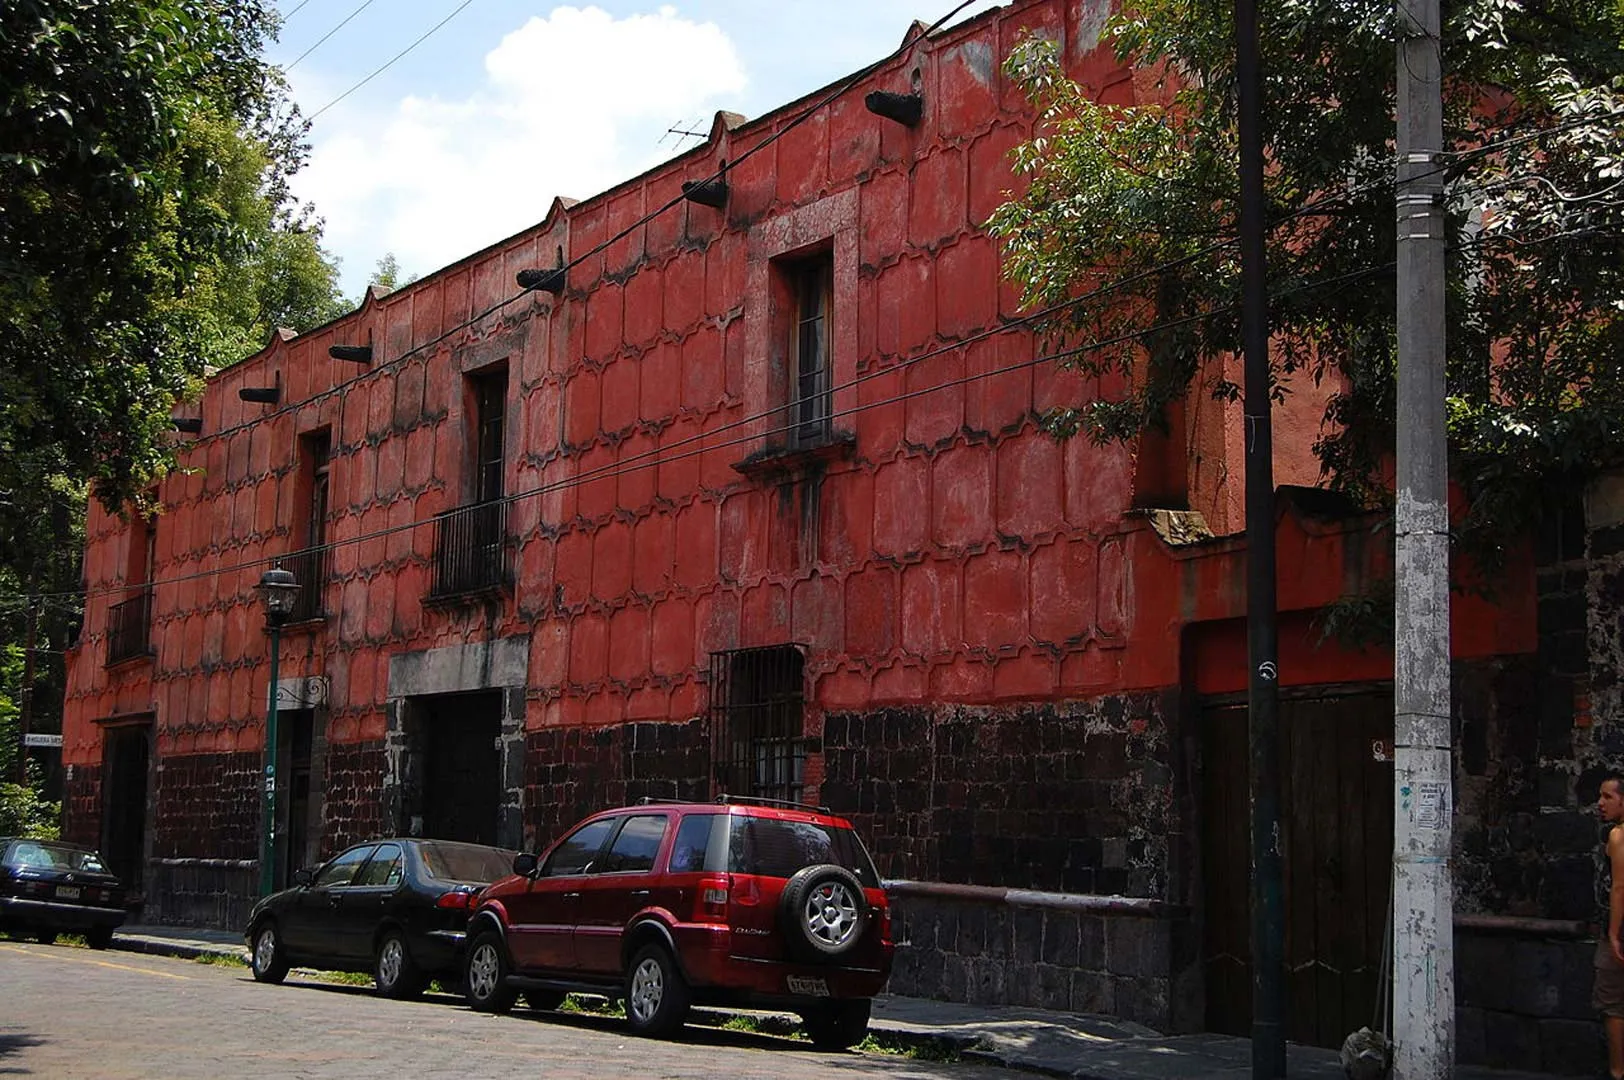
(524, 864)
(303, 877)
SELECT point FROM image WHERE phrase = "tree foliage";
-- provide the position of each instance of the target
(147, 236)
(146, 231)
(1148, 194)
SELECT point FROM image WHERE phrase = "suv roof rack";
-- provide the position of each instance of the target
(654, 800)
(755, 800)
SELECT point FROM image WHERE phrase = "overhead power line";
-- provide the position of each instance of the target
(662, 456)
(323, 39)
(845, 85)
(391, 61)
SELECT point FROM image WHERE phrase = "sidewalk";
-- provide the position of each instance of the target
(1056, 1044)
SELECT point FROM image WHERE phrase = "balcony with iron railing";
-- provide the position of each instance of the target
(309, 569)
(470, 550)
(129, 628)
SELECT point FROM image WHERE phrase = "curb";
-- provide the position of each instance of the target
(182, 950)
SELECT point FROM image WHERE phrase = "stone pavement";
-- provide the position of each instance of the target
(1035, 1040)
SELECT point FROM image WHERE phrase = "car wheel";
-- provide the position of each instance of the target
(544, 1000)
(269, 962)
(394, 971)
(484, 981)
(840, 1025)
(97, 938)
(657, 996)
(824, 912)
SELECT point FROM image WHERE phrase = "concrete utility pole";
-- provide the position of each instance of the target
(1423, 912)
(1262, 632)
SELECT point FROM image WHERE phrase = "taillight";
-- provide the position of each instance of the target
(885, 922)
(713, 894)
(457, 899)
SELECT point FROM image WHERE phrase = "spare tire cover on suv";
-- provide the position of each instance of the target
(824, 912)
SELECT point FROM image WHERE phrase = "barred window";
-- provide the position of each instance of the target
(757, 724)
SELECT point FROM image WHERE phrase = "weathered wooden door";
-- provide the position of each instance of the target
(1337, 834)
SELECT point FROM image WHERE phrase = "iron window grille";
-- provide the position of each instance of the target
(470, 549)
(309, 569)
(757, 718)
(129, 628)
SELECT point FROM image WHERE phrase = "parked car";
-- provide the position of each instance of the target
(396, 908)
(669, 905)
(48, 887)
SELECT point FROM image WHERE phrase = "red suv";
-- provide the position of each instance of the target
(667, 905)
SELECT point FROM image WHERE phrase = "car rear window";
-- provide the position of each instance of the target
(42, 855)
(465, 862)
(772, 848)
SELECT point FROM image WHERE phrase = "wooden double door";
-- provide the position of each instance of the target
(1336, 819)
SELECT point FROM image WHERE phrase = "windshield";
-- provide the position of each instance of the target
(465, 862)
(40, 855)
(773, 848)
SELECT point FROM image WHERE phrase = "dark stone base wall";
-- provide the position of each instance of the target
(1008, 954)
(353, 802)
(1071, 797)
(200, 892)
(81, 806)
(572, 772)
(208, 806)
(1524, 1003)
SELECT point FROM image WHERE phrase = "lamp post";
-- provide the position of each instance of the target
(277, 590)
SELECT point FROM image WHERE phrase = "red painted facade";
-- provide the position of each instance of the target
(938, 550)
(956, 554)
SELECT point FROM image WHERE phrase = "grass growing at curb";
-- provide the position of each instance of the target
(220, 960)
(914, 1048)
(589, 1005)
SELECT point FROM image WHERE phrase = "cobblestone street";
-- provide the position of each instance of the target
(69, 1012)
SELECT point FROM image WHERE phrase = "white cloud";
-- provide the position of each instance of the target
(570, 105)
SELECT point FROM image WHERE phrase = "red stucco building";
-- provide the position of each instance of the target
(753, 498)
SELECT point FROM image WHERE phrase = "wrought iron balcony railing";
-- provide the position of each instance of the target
(470, 549)
(309, 569)
(129, 628)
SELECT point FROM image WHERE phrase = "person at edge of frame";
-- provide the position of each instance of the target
(1608, 996)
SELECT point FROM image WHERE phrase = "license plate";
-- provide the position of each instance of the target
(67, 892)
(810, 987)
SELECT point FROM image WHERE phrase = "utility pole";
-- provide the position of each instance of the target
(1423, 802)
(26, 717)
(1262, 635)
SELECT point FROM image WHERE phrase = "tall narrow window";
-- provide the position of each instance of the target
(471, 544)
(309, 565)
(811, 282)
(129, 622)
(490, 405)
(757, 723)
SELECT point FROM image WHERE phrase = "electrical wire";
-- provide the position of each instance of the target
(391, 61)
(806, 114)
(802, 117)
(323, 39)
(641, 461)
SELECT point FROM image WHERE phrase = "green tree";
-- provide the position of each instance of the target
(145, 230)
(147, 236)
(1149, 194)
(387, 276)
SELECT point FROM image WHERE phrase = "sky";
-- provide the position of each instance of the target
(468, 137)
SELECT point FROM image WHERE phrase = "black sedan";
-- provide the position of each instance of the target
(48, 887)
(395, 908)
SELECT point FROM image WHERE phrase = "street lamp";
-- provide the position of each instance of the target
(277, 591)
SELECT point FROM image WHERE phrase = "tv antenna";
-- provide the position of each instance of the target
(682, 130)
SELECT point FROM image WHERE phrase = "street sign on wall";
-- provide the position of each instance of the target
(32, 739)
